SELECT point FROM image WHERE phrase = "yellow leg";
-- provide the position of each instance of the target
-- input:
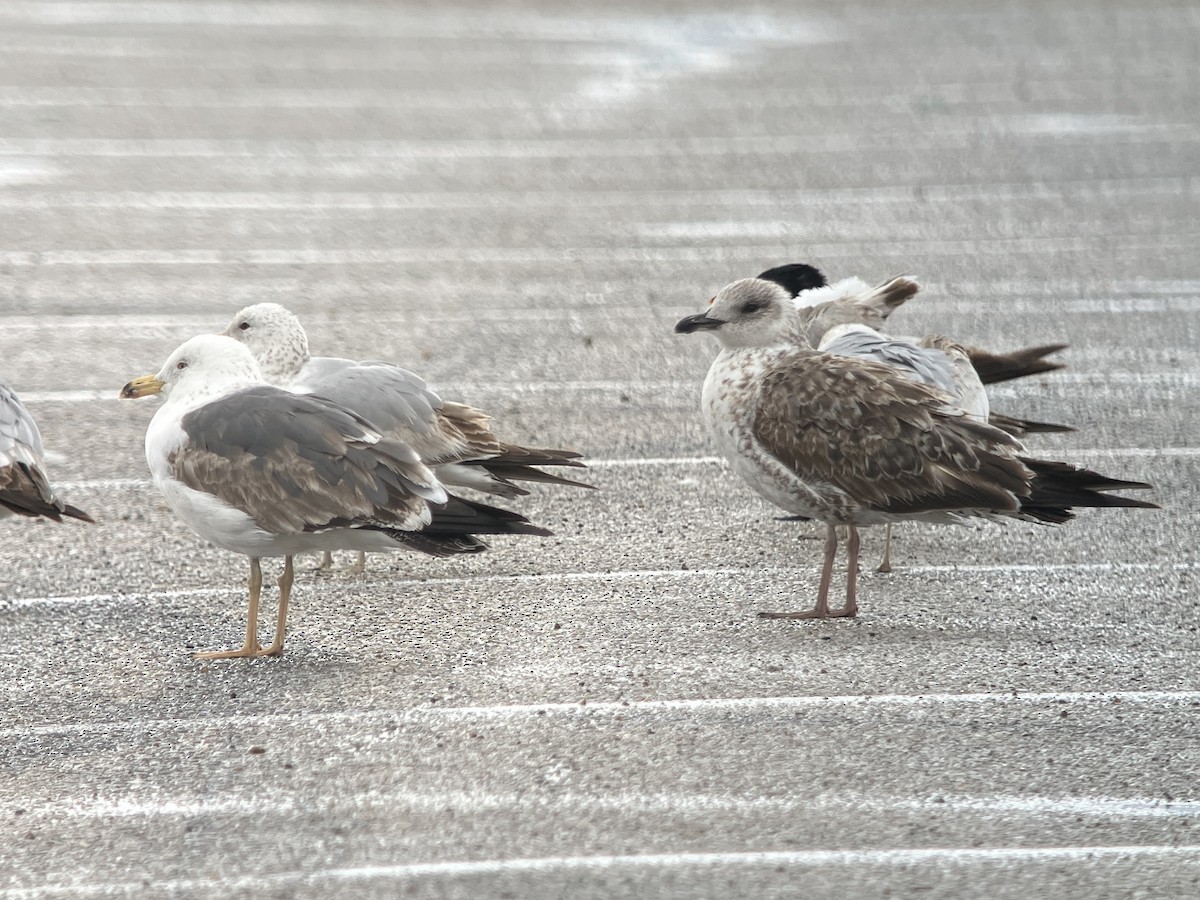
(250, 646)
(285, 594)
(361, 566)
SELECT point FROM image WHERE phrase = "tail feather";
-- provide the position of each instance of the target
(1059, 486)
(25, 491)
(1020, 427)
(76, 513)
(886, 298)
(460, 516)
(456, 523)
(507, 473)
(439, 545)
(993, 368)
(537, 456)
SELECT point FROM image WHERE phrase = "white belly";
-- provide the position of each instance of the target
(728, 405)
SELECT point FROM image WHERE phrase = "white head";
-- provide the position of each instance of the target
(275, 337)
(205, 366)
(752, 312)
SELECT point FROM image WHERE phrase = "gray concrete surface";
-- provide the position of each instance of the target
(518, 201)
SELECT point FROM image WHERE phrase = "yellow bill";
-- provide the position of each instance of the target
(142, 387)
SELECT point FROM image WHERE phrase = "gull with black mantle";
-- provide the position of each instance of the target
(263, 472)
(854, 442)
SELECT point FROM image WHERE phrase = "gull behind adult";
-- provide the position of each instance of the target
(24, 488)
(853, 301)
(855, 442)
(454, 438)
(264, 472)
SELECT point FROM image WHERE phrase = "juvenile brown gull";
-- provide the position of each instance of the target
(263, 472)
(854, 442)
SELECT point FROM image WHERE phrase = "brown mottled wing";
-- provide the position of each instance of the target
(466, 430)
(25, 491)
(24, 488)
(296, 462)
(891, 444)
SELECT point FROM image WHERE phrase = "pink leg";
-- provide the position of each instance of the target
(885, 564)
(852, 547)
(821, 610)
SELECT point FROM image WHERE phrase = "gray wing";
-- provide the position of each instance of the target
(444, 433)
(24, 488)
(298, 462)
(394, 400)
(924, 364)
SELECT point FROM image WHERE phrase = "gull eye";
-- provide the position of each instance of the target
(751, 306)
(244, 326)
(182, 364)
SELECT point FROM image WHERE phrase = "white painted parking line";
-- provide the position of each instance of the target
(117, 484)
(960, 856)
(1101, 380)
(1039, 246)
(566, 201)
(619, 575)
(716, 706)
(1180, 854)
(641, 802)
(950, 137)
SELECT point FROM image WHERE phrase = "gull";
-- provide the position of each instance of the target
(265, 473)
(852, 301)
(847, 318)
(24, 488)
(854, 442)
(454, 438)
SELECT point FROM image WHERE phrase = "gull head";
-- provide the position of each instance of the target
(275, 337)
(753, 312)
(205, 366)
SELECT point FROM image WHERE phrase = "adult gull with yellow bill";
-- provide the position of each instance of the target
(264, 472)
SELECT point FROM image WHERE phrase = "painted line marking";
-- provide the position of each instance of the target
(959, 136)
(1039, 246)
(1185, 299)
(1181, 854)
(106, 484)
(567, 200)
(683, 802)
(701, 706)
(1166, 380)
(615, 575)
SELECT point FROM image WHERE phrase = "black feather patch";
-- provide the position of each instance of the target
(795, 277)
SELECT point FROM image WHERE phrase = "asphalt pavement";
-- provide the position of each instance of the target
(518, 201)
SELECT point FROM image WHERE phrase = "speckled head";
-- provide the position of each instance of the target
(275, 337)
(752, 312)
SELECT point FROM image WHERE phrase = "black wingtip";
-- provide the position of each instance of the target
(76, 513)
(795, 277)
(1058, 486)
(994, 368)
